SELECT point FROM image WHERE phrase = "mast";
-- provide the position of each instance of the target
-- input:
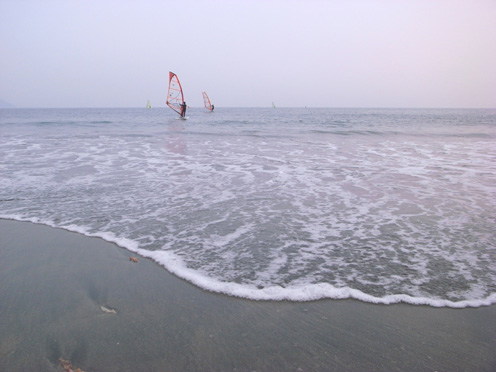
(175, 96)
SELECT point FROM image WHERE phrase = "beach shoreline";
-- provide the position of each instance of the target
(60, 290)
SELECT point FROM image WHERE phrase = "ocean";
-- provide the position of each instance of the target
(296, 204)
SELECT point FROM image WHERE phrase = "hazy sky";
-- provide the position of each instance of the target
(321, 53)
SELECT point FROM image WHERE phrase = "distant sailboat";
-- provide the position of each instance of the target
(175, 96)
(273, 105)
(206, 102)
(148, 106)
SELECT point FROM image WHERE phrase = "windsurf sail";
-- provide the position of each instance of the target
(148, 106)
(175, 96)
(206, 102)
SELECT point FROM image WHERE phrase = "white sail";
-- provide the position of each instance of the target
(175, 96)
(206, 102)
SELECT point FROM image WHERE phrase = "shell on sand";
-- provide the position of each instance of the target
(107, 310)
(67, 366)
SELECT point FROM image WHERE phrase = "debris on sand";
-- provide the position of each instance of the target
(134, 259)
(107, 310)
(67, 366)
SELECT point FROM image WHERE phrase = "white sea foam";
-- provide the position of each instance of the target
(274, 209)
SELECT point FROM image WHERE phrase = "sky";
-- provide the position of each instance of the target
(249, 53)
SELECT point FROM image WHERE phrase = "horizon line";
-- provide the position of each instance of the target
(257, 107)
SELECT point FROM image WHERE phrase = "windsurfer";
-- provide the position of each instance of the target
(183, 109)
(212, 107)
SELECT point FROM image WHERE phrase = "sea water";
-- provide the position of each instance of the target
(380, 205)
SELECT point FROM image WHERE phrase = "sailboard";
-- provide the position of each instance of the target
(206, 102)
(148, 106)
(175, 96)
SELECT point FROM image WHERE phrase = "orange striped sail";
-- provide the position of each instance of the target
(206, 102)
(175, 96)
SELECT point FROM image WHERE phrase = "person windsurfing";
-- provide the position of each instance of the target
(183, 109)
(212, 108)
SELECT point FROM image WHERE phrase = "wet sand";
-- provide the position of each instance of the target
(53, 284)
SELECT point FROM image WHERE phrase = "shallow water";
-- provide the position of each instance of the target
(299, 204)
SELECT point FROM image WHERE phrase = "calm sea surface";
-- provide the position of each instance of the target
(381, 205)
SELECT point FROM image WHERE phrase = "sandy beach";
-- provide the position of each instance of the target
(64, 295)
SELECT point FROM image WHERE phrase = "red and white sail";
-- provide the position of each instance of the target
(206, 102)
(175, 96)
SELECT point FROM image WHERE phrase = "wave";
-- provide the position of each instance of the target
(300, 293)
(343, 132)
(54, 122)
